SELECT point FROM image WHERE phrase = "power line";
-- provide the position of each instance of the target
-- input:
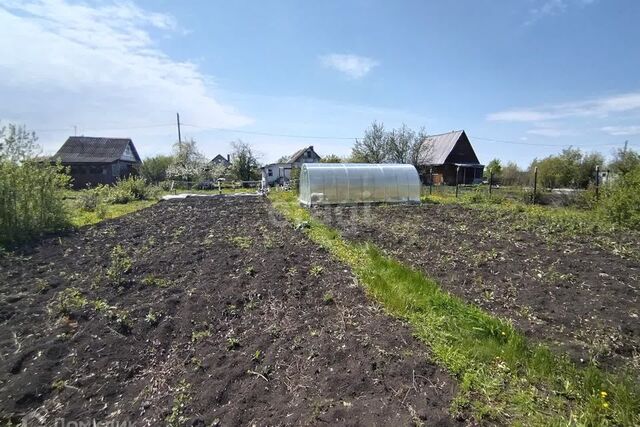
(106, 128)
(280, 135)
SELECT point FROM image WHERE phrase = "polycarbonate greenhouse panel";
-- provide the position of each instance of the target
(353, 183)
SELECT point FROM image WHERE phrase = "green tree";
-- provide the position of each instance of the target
(154, 169)
(244, 163)
(571, 168)
(373, 147)
(399, 144)
(31, 192)
(17, 144)
(624, 161)
(421, 151)
(587, 170)
(511, 174)
(331, 158)
(562, 170)
(494, 166)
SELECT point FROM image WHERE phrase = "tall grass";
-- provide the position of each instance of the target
(31, 200)
(503, 378)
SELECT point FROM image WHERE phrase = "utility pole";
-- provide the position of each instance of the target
(179, 135)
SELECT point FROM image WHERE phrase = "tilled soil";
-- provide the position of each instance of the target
(570, 291)
(227, 316)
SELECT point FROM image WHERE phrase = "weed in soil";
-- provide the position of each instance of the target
(181, 398)
(156, 281)
(232, 343)
(197, 336)
(242, 242)
(119, 267)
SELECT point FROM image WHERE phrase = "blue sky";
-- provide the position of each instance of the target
(523, 78)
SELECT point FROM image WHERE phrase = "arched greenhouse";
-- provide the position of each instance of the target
(354, 183)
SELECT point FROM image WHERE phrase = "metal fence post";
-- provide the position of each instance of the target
(597, 181)
(457, 174)
(535, 184)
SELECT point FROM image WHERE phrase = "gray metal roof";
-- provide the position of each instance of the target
(86, 149)
(296, 156)
(438, 147)
(220, 159)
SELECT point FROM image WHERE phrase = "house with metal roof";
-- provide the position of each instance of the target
(449, 159)
(280, 173)
(94, 160)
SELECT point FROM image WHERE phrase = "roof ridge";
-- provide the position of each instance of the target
(445, 133)
(101, 137)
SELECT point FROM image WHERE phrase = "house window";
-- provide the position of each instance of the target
(308, 154)
(270, 172)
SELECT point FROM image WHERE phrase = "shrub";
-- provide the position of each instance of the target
(89, 200)
(154, 169)
(31, 200)
(481, 195)
(130, 189)
(621, 202)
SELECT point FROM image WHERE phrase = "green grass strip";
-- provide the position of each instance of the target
(503, 378)
(80, 218)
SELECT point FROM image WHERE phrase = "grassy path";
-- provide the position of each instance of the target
(80, 218)
(503, 378)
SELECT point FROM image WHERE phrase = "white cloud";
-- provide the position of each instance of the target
(546, 8)
(621, 130)
(353, 66)
(552, 132)
(599, 107)
(97, 66)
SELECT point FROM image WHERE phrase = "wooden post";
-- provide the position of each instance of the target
(597, 182)
(490, 181)
(430, 180)
(179, 134)
(535, 185)
(457, 174)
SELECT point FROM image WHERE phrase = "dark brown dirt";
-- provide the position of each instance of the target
(578, 293)
(228, 316)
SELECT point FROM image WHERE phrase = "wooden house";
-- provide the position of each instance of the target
(280, 173)
(95, 160)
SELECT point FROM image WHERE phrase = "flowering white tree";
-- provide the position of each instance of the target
(188, 163)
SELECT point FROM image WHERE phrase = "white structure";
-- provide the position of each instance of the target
(353, 183)
(280, 173)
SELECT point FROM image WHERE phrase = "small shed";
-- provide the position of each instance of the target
(356, 183)
(94, 160)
